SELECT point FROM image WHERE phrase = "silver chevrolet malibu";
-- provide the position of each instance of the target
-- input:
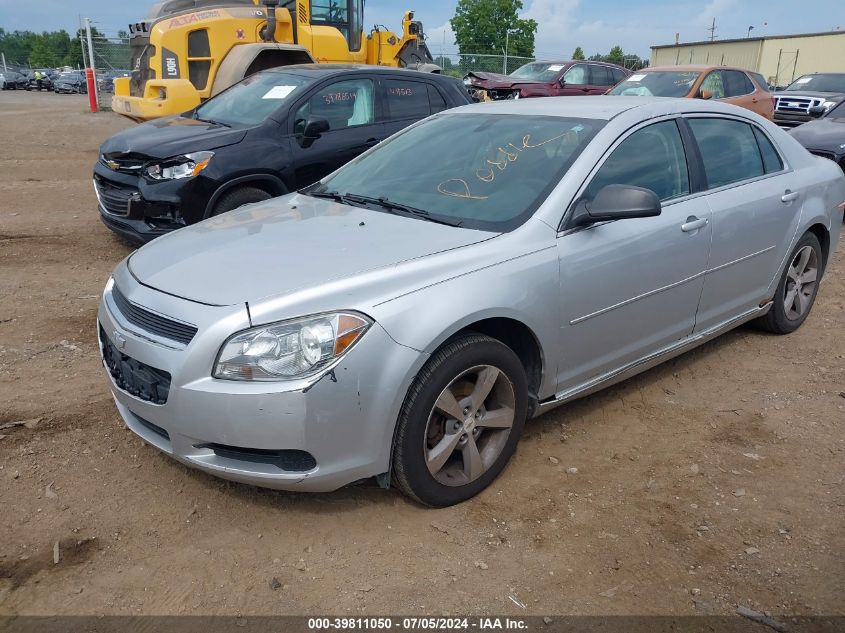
(406, 315)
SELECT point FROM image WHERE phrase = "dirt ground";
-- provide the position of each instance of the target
(713, 481)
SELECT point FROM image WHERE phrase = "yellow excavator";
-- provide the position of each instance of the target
(186, 51)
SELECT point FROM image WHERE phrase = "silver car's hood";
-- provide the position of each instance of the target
(285, 244)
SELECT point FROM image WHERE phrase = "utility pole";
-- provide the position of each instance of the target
(96, 96)
(505, 61)
(712, 30)
(5, 70)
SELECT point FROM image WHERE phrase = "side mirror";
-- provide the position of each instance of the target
(617, 202)
(818, 111)
(705, 94)
(315, 127)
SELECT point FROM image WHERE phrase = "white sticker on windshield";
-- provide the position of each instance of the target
(556, 67)
(639, 77)
(279, 92)
(804, 80)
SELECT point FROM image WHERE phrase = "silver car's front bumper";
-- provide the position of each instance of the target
(344, 419)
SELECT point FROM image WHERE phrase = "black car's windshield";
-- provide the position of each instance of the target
(819, 83)
(493, 179)
(253, 100)
(538, 71)
(657, 84)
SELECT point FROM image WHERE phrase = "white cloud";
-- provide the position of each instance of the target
(555, 18)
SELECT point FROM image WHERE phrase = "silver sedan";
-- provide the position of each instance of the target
(405, 316)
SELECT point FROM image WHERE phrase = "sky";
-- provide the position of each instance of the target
(595, 25)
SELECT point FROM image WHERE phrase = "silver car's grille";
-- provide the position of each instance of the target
(796, 105)
(151, 322)
(114, 198)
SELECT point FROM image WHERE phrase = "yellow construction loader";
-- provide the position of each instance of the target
(186, 51)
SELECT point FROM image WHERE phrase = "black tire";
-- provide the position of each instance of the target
(238, 197)
(777, 320)
(410, 470)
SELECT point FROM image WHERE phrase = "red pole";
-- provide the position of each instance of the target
(92, 88)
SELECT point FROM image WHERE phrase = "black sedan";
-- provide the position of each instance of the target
(825, 136)
(45, 83)
(12, 80)
(71, 83)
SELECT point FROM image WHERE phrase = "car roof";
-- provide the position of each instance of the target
(327, 70)
(595, 107)
(693, 67)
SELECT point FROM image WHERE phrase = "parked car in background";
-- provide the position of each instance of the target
(105, 81)
(406, 315)
(793, 104)
(731, 85)
(825, 136)
(46, 81)
(71, 83)
(274, 132)
(12, 80)
(546, 79)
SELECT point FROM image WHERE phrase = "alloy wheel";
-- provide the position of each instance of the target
(802, 277)
(469, 425)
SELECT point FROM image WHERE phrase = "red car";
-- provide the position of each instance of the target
(546, 79)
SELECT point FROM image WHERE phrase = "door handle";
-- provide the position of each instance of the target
(790, 196)
(693, 224)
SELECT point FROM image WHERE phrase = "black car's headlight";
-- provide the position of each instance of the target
(290, 349)
(186, 166)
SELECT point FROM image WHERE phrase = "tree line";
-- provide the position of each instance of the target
(53, 49)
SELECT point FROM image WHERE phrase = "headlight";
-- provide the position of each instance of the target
(467, 81)
(827, 105)
(290, 349)
(186, 166)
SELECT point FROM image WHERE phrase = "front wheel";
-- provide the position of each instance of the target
(231, 200)
(797, 290)
(461, 421)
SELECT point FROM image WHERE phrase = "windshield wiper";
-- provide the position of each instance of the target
(329, 195)
(389, 205)
(212, 121)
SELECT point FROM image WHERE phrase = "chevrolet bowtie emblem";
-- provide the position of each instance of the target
(113, 165)
(119, 340)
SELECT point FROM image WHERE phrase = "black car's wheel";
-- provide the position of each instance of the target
(797, 289)
(231, 200)
(460, 422)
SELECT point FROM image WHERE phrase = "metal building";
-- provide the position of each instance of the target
(780, 58)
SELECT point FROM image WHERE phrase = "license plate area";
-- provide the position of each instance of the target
(134, 377)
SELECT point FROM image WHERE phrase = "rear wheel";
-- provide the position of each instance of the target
(460, 422)
(796, 292)
(231, 200)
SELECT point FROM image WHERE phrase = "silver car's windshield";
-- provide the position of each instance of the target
(253, 100)
(484, 171)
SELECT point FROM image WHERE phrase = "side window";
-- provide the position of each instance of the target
(436, 100)
(199, 58)
(576, 76)
(761, 81)
(600, 76)
(771, 159)
(343, 104)
(618, 75)
(737, 83)
(714, 84)
(407, 99)
(729, 151)
(652, 157)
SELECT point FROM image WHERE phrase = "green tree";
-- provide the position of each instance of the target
(578, 54)
(481, 28)
(616, 55)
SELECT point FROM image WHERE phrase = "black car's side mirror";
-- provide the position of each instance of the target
(617, 202)
(315, 127)
(818, 111)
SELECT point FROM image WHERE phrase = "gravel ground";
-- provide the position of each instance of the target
(713, 481)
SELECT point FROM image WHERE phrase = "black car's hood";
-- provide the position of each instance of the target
(837, 96)
(170, 136)
(823, 134)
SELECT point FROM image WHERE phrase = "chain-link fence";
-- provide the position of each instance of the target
(458, 65)
(112, 60)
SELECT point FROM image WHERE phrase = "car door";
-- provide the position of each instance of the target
(407, 102)
(740, 91)
(351, 108)
(601, 79)
(630, 288)
(576, 81)
(755, 205)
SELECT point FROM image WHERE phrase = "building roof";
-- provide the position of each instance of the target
(749, 39)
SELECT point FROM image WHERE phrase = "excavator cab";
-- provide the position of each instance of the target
(347, 16)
